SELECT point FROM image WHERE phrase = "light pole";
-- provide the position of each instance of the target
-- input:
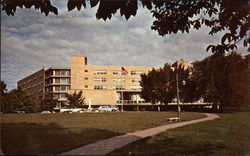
(178, 95)
(178, 98)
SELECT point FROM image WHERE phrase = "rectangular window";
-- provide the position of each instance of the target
(119, 87)
(62, 96)
(63, 80)
(135, 80)
(63, 72)
(57, 72)
(136, 87)
(85, 71)
(100, 79)
(116, 72)
(64, 88)
(48, 89)
(56, 96)
(86, 86)
(57, 88)
(85, 78)
(135, 72)
(100, 72)
(99, 87)
(57, 80)
(118, 80)
(67, 72)
(68, 80)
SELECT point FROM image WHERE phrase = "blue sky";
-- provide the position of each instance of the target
(30, 40)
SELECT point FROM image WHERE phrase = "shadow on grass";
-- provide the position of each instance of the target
(32, 138)
(228, 135)
(168, 146)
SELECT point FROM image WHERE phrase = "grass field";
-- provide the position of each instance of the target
(226, 136)
(57, 133)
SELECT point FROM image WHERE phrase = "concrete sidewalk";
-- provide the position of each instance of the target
(106, 146)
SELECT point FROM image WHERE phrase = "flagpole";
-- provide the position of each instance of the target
(121, 91)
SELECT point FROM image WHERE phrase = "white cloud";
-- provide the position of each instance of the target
(30, 41)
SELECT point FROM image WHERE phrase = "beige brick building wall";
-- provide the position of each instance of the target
(104, 84)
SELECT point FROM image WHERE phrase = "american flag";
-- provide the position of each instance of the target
(124, 71)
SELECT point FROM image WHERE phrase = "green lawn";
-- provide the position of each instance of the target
(57, 133)
(226, 136)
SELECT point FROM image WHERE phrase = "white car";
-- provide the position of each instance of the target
(68, 110)
(107, 109)
(45, 112)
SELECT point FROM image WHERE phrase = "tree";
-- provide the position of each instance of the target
(48, 103)
(228, 17)
(160, 85)
(220, 79)
(2, 93)
(237, 79)
(3, 87)
(16, 99)
(75, 100)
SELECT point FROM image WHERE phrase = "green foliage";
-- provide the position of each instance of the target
(160, 85)
(48, 103)
(75, 100)
(220, 79)
(3, 87)
(16, 99)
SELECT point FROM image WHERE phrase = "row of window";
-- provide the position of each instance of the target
(101, 87)
(62, 72)
(62, 80)
(33, 86)
(60, 96)
(32, 79)
(58, 73)
(114, 79)
(37, 91)
(57, 88)
(61, 88)
(114, 72)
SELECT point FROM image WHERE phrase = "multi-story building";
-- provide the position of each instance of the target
(102, 85)
(57, 83)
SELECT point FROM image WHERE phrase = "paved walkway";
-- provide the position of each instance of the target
(106, 146)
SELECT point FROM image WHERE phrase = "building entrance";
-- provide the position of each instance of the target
(129, 97)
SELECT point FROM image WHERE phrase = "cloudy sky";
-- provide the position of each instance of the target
(30, 40)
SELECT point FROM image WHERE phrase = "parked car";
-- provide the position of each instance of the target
(114, 108)
(69, 110)
(21, 112)
(45, 112)
(107, 109)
